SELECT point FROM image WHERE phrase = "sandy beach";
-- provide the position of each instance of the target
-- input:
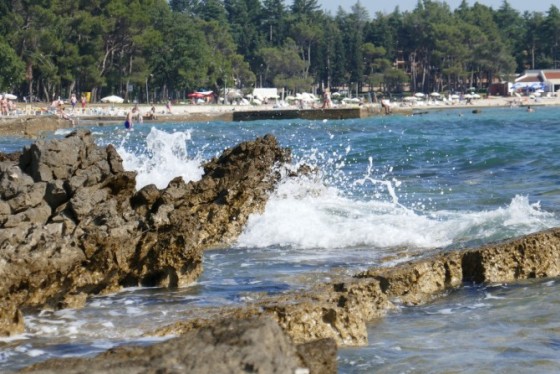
(32, 120)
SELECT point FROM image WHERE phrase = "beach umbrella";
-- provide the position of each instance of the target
(476, 96)
(419, 94)
(112, 99)
(435, 94)
(410, 98)
(537, 85)
(454, 97)
(468, 96)
(195, 95)
(10, 96)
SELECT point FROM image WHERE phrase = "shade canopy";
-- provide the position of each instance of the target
(113, 99)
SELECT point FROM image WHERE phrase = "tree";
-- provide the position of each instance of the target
(512, 28)
(286, 67)
(274, 22)
(331, 56)
(184, 58)
(551, 31)
(306, 8)
(244, 19)
(11, 68)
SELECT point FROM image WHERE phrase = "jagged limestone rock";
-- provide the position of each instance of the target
(72, 223)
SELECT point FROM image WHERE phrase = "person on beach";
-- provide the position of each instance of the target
(12, 108)
(128, 121)
(136, 112)
(62, 114)
(326, 99)
(4, 105)
(73, 102)
(168, 107)
(152, 113)
(386, 105)
(84, 101)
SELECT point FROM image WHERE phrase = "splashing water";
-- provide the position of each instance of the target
(163, 157)
(385, 188)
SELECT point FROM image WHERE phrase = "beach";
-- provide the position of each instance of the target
(32, 120)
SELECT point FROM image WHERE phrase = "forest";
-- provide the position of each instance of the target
(151, 50)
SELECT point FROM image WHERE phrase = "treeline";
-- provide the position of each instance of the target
(158, 49)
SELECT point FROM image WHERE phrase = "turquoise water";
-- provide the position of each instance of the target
(477, 329)
(388, 187)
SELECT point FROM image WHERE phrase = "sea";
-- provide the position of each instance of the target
(388, 189)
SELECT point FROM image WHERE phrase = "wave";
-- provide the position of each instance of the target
(304, 213)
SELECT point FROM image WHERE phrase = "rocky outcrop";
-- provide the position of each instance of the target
(228, 346)
(72, 224)
(341, 310)
(32, 126)
(336, 313)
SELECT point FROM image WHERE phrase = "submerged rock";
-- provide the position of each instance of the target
(228, 346)
(72, 224)
(340, 310)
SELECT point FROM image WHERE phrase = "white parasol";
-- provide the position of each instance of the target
(10, 96)
(113, 99)
(419, 94)
(435, 94)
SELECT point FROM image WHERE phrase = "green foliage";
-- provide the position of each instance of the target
(51, 48)
(11, 68)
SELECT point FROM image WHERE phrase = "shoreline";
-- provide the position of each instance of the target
(34, 120)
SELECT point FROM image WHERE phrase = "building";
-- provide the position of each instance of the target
(534, 80)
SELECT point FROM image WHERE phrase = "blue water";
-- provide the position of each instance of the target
(387, 188)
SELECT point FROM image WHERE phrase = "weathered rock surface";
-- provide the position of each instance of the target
(32, 126)
(72, 224)
(228, 346)
(341, 310)
(337, 313)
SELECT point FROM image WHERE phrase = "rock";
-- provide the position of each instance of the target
(32, 126)
(228, 346)
(11, 322)
(319, 356)
(341, 310)
(91, 232)
(73, 225)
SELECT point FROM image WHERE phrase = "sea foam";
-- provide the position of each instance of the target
(306, 214)
(163, 157)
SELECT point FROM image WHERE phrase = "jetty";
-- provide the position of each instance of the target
(311, 114)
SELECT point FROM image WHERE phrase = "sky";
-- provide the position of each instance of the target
(387, 6)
